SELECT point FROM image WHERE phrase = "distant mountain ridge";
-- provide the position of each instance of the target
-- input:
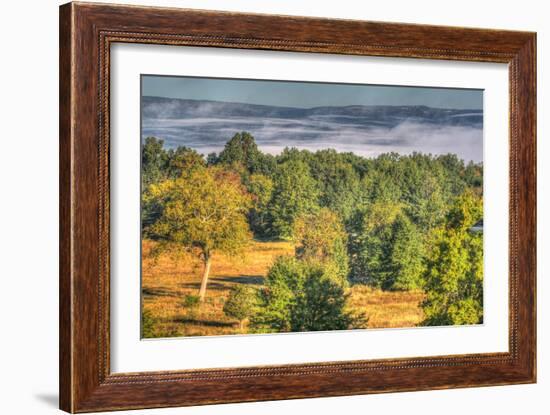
(377, 115)
(367, 130)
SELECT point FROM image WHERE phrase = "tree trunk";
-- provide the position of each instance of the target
(204, 281)
(241, 325)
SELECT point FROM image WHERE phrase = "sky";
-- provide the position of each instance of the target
(307, 94)
(215, 109)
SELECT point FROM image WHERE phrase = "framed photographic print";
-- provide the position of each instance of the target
(260, 207)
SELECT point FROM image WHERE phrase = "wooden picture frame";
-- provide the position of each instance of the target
(86, 33)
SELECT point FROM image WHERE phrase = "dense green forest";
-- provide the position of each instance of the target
(394, 222)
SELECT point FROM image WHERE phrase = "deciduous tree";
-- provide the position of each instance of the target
(260, 187)
(454, 275)
(295, 193)
(321, 237)
(182, 160)
(153, 161)
(203, 211)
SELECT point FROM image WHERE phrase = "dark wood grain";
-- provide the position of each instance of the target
(65, 246)
(86, 33)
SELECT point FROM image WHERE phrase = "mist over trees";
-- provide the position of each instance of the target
(394, 222)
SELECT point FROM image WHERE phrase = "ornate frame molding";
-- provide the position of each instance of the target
(87, 32)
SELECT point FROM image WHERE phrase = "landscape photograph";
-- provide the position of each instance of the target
(272, 206)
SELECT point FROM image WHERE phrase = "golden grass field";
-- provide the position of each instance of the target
(167, 281)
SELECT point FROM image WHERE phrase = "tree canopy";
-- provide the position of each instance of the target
(393, 222)
(203, 211)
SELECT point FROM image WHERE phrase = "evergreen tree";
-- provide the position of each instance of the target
(407, 255)
(388, 251)
(300, 296)
(241, 149)
(371, 245)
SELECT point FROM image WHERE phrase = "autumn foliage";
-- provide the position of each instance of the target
(202, 211)
(394, 223)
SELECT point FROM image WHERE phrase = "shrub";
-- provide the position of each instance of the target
(191, 301)
(301, 296)
(147, 325)
(240, 304)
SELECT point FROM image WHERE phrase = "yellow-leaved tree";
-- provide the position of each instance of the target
(203, 211)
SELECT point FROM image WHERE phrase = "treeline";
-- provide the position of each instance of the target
(393, 222)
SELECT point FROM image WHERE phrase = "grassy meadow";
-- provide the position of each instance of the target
(169, 283)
